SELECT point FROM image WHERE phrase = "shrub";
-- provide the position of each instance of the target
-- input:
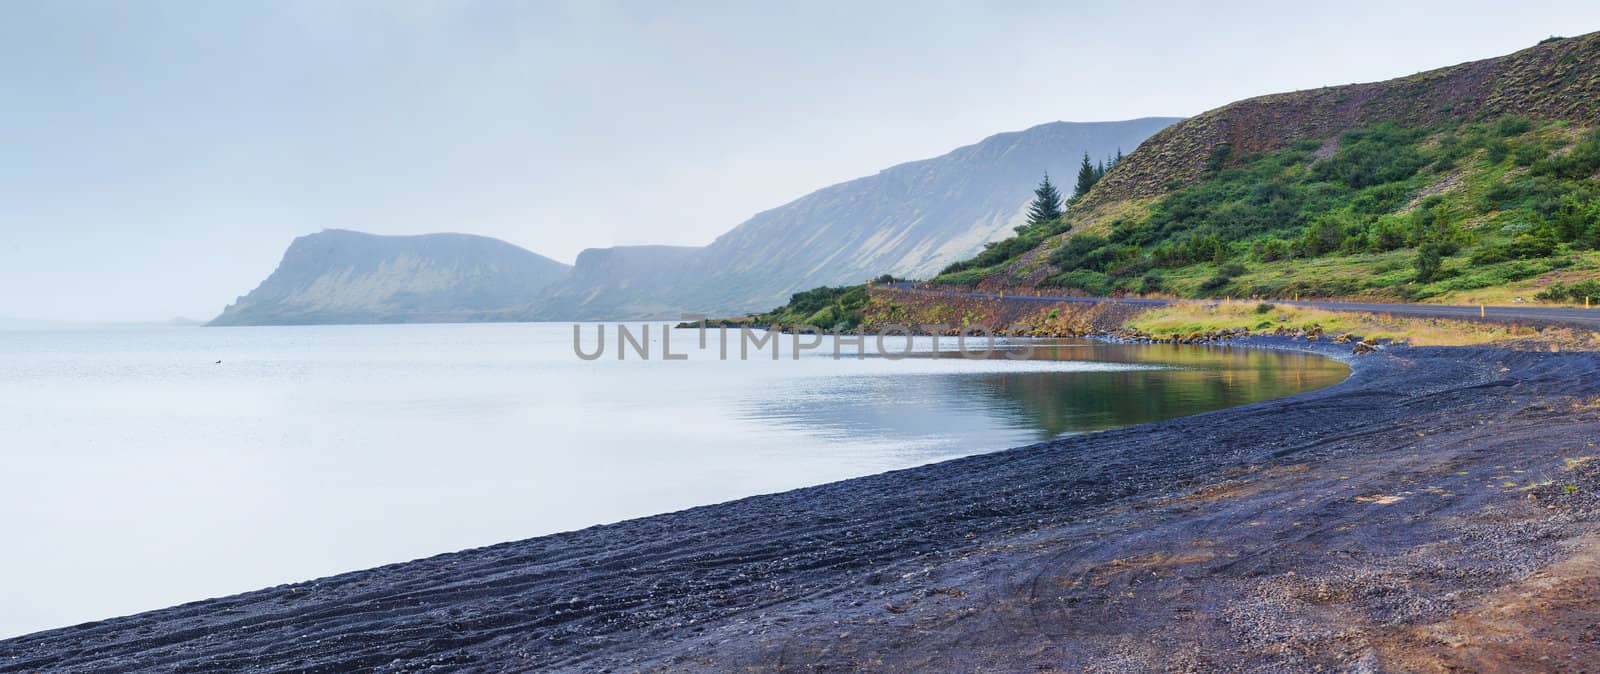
(1580, 163)
(1496, 151)
(1215, 283)
(1429, 262)
(1575, 217)
(1513, 125)
(1435, 223)
(1092, 282)
(1577, 292)
(995, 253)
(1373, 156)
(1308, 145)
(965, 277)
(1380, 199)
(1527, 246)
(1151, 283)
(1387, 233)
(1077, 251)
(825, 307)
(1325, 235)
(1219, 157)
(1528, 153)
(1129, 264)
(1532, 246)
(1266, 308)
(1270, 250)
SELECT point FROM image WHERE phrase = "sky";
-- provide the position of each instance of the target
(157, 157)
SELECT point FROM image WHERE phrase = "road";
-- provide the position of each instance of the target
(1525, 315)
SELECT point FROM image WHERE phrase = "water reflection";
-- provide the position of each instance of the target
(931, 414)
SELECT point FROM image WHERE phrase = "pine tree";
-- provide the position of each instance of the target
(1046, 206)
(1086, 178)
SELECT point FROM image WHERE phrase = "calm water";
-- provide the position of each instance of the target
(140, 472)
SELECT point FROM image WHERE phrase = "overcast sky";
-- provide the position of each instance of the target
(157, 157)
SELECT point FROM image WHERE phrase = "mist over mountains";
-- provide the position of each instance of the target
(908, 220)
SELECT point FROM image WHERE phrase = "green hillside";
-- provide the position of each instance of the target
(1475, 182)
(1394, 211)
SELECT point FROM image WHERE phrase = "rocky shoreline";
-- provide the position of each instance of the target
(1437, 511)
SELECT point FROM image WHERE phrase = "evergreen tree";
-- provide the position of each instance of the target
(1086, 178)
(1046, 205)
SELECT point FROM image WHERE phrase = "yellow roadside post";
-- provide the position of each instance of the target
(1482, 312)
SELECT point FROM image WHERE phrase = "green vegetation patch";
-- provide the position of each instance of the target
(828, 308)
(1467, 206)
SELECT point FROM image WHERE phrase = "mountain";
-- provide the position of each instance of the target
(1475, 182)
(908, 220)
(340, 276)
(623, 282)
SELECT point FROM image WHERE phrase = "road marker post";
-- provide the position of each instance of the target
(1482, 312)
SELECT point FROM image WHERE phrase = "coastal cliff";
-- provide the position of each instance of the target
(340, 276)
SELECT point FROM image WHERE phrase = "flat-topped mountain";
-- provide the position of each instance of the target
(340, 276)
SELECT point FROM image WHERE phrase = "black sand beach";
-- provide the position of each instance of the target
(1438, 510)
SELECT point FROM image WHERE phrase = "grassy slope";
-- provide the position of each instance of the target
(1258, 170)
(1187, 318)
(1201, 177)
(1514, 202)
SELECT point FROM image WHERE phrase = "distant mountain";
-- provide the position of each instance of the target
(623, 282)
(340, 276)
(908, 220)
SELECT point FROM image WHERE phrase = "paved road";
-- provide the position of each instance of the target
(1526, 315)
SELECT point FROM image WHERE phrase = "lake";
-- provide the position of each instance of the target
(146, 467)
